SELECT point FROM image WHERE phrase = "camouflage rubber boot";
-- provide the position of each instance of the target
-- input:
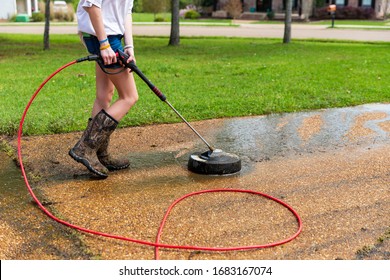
(84, 134)
(97, 132)
(108, 161)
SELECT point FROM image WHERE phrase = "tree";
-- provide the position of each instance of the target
(137, 8)
(154, 6)
(174, 39)
(287, 22)
(46, 41)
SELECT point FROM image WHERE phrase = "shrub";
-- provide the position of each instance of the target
(191, 14)
(234, 8)
(270, 14)
(346, 13)
(69, 16)
(367, 13)
(59, 15)
(37, 17)
(159, 19)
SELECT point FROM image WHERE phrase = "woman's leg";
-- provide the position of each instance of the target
(104, 91)
(105, 85)
(127, 91)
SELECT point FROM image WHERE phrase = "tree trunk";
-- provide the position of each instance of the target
(287, 23)
(46, 41)
(174, 39)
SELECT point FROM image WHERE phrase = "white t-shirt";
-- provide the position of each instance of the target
(114, 13)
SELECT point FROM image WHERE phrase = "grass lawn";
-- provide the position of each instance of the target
(355, 22)
(204, 78)
(148, 17)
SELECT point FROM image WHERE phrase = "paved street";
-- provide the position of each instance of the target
(299, 31)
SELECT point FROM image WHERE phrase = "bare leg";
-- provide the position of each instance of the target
(105, 85)
(104, 92)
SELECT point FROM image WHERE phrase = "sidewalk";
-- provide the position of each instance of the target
(299, 31)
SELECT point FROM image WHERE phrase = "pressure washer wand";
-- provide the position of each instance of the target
(131, 65)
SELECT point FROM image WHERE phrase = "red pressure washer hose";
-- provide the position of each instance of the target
(157, 243)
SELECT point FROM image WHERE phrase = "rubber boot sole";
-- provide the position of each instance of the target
(116, 168)
(86, 163)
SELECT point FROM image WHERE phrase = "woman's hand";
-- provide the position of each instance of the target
(106, 52)
(108, 55)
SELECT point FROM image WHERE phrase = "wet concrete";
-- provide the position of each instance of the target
(332, 166)
(25, 233)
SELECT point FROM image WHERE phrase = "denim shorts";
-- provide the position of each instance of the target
(93, 46)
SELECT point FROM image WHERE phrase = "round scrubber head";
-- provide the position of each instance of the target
(215, 162)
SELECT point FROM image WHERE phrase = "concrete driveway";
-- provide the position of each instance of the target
(332, 166)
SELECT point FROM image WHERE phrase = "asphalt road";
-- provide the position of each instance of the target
(299, 31)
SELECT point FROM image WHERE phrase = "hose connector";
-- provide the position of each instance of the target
(92, 57)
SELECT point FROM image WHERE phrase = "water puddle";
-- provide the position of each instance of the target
(12, 187)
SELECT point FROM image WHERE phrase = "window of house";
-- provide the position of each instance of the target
(367, 3)
(341, 2)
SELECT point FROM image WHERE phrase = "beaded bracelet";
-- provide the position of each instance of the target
(105, 47)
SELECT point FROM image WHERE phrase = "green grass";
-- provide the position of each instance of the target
(361, 24)
(149, 17)
(204, 78)
(354, 22)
